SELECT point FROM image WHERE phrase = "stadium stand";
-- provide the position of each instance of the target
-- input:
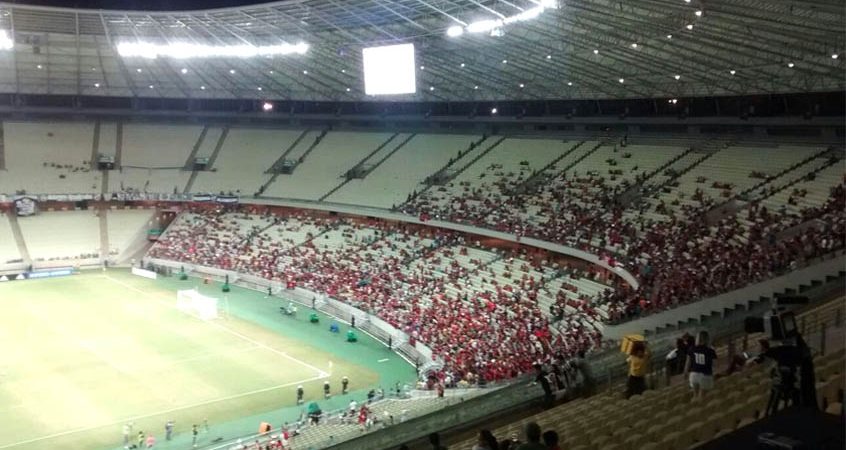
(154, 168)
(8, 248)
(408, 278)
(324, 166)
(48, 157)
(79, 239)
(124, 225)
(245, 151)
(403, 172)
(669, 418)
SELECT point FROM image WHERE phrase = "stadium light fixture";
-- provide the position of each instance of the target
(184, 50)
(267, 106)
(455, 31)
(494, 26)
(6, 42)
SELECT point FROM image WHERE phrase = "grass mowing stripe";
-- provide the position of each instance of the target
(320, 373)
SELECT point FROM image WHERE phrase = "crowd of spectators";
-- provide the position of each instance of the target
(476, 309)
(480, 314)
(683, 257)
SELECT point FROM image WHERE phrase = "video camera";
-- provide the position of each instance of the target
(778, 324)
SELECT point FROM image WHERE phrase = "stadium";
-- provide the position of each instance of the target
(422, 224)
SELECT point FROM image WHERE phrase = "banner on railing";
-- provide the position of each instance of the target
(202, 197)
(226, 199)
(26, 206)
(144, 273)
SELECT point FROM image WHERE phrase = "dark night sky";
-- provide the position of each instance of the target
(144, 5)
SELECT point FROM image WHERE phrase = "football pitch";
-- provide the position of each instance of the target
(82, 355)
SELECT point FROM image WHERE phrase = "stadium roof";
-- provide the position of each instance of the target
(578, 49)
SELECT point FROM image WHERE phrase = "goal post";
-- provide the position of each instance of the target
(192, 302)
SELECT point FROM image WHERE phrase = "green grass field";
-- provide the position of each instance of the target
(82, 355)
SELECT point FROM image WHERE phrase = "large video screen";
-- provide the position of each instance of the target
(389, 70)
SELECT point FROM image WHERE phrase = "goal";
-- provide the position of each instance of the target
(194, 303)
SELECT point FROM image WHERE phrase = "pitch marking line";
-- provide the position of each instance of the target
(320, 373)
(145, 416)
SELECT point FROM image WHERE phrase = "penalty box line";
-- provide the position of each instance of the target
(320, 373)
(158, 413)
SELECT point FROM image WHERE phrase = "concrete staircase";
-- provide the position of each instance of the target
(103, 215)
(19, 239)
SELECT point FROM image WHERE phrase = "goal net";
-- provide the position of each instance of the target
(194, 303)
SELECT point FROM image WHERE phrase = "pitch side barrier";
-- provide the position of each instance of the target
(418, 354)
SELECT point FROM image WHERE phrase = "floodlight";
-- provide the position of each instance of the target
(6, 42)
(484, 26)
(455, 31)
(389, 70)
(183, 50)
